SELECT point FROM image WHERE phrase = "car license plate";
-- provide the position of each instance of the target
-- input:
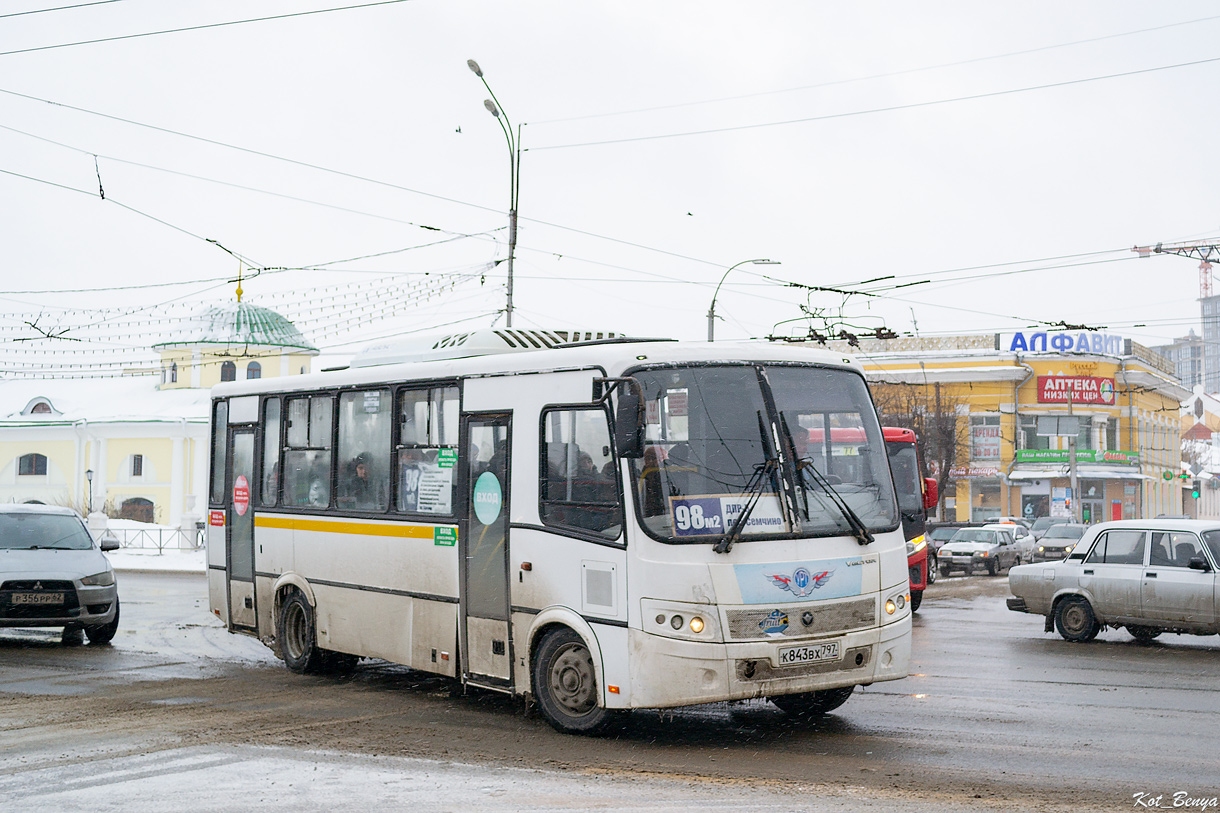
(38, 598)
(811, 653)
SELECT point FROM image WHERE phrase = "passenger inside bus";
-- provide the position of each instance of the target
(355, 489)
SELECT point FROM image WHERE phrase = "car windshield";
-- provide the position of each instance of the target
(943, 533)
(1042, 523)
(975, 536)
(1064, 532)
(797, 447)
(43, 531)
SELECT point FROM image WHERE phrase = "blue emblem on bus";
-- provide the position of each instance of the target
(801, 583)
(775, 623)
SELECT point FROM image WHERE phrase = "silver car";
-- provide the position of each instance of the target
(991, 547)
(1150, 576)
(53, 574)
(1058, 541)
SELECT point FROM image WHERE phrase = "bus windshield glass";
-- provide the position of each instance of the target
(798, 447)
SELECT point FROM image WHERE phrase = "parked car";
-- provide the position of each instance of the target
(991, 547)
(1042, 523)
(53, 574)
(1148, 575)
(1058, 541)
(1021, 532)
(938, 533)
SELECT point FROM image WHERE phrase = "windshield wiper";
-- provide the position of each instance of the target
(858, 529)
(762, 473)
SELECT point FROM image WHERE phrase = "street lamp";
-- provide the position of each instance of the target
(89, 497)
(711, 311)
(514, 177)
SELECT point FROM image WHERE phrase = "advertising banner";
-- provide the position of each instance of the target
(1080, 389)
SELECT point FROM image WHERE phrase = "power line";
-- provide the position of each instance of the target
(58, 8)
(885, 75)
(890, 109)
(200, 27)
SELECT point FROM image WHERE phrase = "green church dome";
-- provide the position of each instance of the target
(241, 323)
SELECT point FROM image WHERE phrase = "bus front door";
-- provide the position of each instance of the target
(239, 528)
(486, 658)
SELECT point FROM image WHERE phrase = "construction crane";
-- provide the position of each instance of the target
(1204, 250)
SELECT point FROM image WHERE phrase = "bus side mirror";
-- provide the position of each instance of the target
(931, 495)
(629, 421)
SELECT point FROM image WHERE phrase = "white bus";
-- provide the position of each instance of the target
(594, 525)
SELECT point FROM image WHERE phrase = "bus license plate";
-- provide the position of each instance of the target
(37, 598)
(812, 653)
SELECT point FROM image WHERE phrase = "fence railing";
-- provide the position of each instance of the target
(159, 539)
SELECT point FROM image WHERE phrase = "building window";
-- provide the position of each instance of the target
(985, 437)
(173, 373)
(32, 464)
(254, 370)
(41, 408)
(137, 465)
(138, 509)
(228, 371)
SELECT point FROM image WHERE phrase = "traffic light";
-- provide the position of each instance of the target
(1194, 489)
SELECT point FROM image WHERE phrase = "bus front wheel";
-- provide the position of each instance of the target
(812, 705)
(565, 684)
(296, 633)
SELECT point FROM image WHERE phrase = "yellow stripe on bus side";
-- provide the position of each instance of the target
(336, 526)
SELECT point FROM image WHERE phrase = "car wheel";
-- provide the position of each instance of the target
(297, 641)
(1075, 620)
(916, 599)
(1143, 634)
(812, 705)
(945, 570)
(932, 568)
(72, 635)
(565, 684)
(991, 567)
(1015, 561)
(103, 633)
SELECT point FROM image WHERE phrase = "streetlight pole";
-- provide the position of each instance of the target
(89, 496)
(514, 167)
(711, 310)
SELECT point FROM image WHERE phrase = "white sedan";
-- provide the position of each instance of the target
(1150, 576)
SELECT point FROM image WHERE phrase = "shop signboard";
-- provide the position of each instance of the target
(1044, 341)
(1082, 456)
(1080, 389)
(974, 471)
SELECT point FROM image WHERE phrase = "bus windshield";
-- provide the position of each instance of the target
(799, 445)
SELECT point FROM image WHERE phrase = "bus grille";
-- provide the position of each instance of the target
(824, 619)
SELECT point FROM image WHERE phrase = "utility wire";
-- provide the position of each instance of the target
(890, 109)
(886, 75)
(58, 8)
(200, 27)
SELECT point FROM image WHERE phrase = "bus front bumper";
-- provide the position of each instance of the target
(667, 672)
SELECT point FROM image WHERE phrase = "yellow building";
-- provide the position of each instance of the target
(137, 447)
(1022, 401)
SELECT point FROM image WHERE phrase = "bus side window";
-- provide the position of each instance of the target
(578, 479)
(307, 454)
(270, 490)
(364, 450)
(427, 453)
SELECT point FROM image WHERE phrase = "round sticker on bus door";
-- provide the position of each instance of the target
(488, 497)
(241, 495)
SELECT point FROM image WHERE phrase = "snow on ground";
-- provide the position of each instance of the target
(149, 559)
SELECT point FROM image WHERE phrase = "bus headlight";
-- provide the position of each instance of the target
(896, 603)
(696, 625)
(675, 619)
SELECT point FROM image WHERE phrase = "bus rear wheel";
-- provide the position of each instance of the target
(297, 640)
(812, 705)
(565, 685)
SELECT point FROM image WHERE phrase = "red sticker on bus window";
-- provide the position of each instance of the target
(216, 519)
(241, 495)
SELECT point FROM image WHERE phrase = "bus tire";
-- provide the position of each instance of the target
(297, 639)
(812, 705)
(565, 684)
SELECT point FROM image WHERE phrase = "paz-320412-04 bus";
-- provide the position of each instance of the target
(595, 525)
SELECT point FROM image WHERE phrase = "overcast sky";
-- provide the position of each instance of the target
(1004, 158)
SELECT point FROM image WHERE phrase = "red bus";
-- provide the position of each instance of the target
(916, 494)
